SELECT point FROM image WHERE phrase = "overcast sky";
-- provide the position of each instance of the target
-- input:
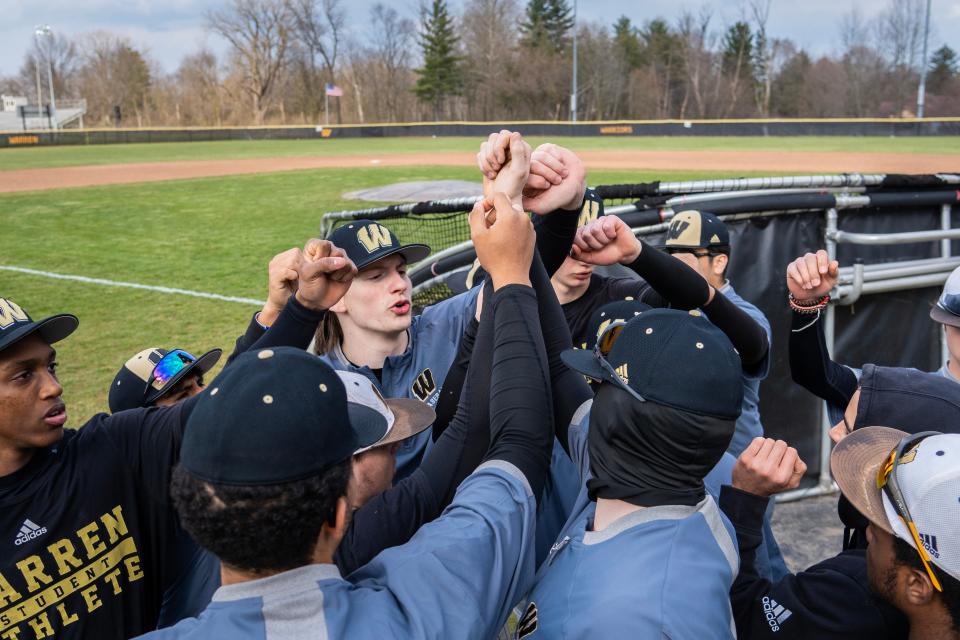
(169, 29)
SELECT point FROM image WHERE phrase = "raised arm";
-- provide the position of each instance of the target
(765, 468)
(609, 240)
(809, 278)
(302, 285)
(481, 549)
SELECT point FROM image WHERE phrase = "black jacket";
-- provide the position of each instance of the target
(831, 599)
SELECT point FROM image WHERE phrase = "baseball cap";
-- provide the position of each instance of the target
(617, 312)
(696, 230)
(139, 382)
(947, 308)
(366, 241)
(399, 418)
(16, 324)
(928, 476)
(273, 416)
(671, 357)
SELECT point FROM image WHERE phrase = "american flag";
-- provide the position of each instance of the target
(334, 90)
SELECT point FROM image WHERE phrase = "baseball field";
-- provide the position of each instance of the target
(207, 217)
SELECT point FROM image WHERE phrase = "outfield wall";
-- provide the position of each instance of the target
(888, 127)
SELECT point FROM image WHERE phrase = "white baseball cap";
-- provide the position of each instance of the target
(928, 476)
(405, 417)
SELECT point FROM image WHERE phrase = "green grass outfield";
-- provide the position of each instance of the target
(214, 235)
(37, 157)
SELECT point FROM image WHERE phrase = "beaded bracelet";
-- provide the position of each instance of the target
(799, 307)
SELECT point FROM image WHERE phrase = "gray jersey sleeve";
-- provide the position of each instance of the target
(460, 574)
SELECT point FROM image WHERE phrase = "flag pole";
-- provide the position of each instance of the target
(326, 106)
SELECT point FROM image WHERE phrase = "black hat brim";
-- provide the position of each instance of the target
(411, 253)
(585, 362)
(52, 329)
(202, 364)
(369, 426)
(941, 315)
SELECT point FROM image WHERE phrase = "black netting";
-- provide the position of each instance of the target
(439, 230)
(763, 244)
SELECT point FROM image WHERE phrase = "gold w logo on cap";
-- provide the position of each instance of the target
(622, 372)
(373, 237)
(10, 312)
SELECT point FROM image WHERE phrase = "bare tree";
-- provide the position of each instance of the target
(697, 60)
(393, 39)
(489, 29)
(319, 28)
(900, 36)
(259, 31)
(62, 54)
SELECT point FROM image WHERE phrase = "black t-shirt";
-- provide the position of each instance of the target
(604, 289)
(87, 529)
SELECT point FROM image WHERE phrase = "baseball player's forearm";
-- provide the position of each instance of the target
(521, 420)
(461, 447)
(456, 377)
(555, 232)
(811, 365)
(294, 327)
(680, 285)
(569, 389)
(746, 334)
(253, 333)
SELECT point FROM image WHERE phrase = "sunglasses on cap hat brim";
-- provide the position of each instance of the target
(864, 465)
(594, 363)
(174, 367)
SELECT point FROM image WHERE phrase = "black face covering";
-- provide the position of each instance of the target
(649, 454)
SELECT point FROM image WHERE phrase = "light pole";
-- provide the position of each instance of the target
(922, 90)
(46, 31)
(573, 89)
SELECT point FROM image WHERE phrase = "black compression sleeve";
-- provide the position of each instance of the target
(555, 233)
(454, 380)
(294, 327)
(253, 333)
(746, 334)
(569, 388)
(461, 447)
(811, 365)
(680, 285)
(521, 421)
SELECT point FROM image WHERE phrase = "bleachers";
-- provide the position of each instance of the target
(70, 114)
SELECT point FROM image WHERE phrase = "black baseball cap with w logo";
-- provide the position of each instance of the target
(367, 241)
(697, 230)
(16, 324)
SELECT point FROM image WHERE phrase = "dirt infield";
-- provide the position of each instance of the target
(731, 162)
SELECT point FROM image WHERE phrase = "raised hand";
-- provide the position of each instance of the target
(557, 180)
(812, 275)
(768, 466)
(504, 240)
(504, 160)
(604, 241)
(282, 281)
(325, 274)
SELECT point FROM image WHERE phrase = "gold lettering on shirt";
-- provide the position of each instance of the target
(69, 579)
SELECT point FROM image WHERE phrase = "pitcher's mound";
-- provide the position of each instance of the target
(419, 191)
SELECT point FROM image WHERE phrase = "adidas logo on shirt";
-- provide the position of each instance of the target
(28, 531)
(776, 613)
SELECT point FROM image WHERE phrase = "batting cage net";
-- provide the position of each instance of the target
(895, 236)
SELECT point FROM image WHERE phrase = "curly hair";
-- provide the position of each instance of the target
(908, 556)
(259, 528)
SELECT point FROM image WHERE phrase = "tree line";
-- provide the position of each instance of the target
(495, 60)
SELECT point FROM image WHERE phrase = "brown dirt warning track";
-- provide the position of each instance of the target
(726, 161)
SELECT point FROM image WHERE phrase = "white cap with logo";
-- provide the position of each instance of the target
(930, 483)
